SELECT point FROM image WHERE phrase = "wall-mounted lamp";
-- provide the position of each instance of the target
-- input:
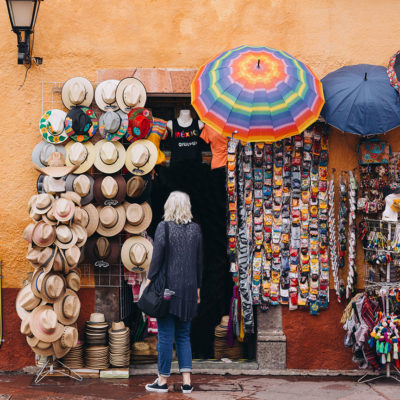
(23, 14)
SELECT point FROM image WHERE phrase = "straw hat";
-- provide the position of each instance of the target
(45, 258)
(63, 209)
(56, 166)
(113, 125)
(44, 324)
(25, 325)
(97, 318)
(110, 156)
(33, 254)
(67, 307)
(31, 203)
(68, 339)
(28, 231)
(103, 251)
(92, 217)
(136, 254)
(140, 122)
(37, 280)
(73, 280)
(130, 93)
(51, 126)
(42, 204)
(74, 197)
(43, 150)
(41, 348)
(105, 95)
(111, 220)
(26, 301)
(141, 157)
(109, 190)
(43, 234)
(138, 188)
(82, 185)
(53, 286)
(77, 91)
(118, 328)
(81, 234)
(48, 184)
(80, 155)
(138, 217)
(60, 263)
(66, 237)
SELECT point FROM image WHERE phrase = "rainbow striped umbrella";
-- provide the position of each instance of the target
(257, 93)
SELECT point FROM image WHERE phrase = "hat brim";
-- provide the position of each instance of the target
(99, 99)
(151, 162)
(93, 215)
(58, 308)
(41, 352)
(22, 313)
(38, 149)
(126, 261)
(67, 86)
(87, 164)
(43, 294)
(119, 94)
(109, 168)
(79, 244)
(56, 172)
(48, 136)
(108, 232)
(69, 186)
(119, 197)
(37, 332)
(148, 216)
(70, 244)
(75, 272)
(113, 257)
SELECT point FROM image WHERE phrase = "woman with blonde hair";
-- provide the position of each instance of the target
(184, 266)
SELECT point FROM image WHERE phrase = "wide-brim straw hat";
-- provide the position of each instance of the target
(63, 209)
(82, 185)
(80, 155)
(111, 220)
(26, 301)
(97, 318)
(67, 341)
(41, 348)
(93, 219)
(110, 156)
(50, 185)
(118, 329)
(81, 234)
(53, 287)
(141, 157)
(74, 197)
(138, 188)
(42, 151)
(77, 91)
(67, 307)
(42, 203)
(130, 93)
(73, 279)
(103, 250)
(113, 125)
(66, 237)
(138, 217)
(43, 234)
(136, 254)
(44, 324)
(37, 280)
(52, 126)
(56, 166)
(105, 95)
(109, 190)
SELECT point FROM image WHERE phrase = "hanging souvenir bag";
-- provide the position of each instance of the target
(373, 151)
(155, 299)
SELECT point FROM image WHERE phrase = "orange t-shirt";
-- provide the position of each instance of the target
(218, 144)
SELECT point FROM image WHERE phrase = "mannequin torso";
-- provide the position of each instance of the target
(184, 120)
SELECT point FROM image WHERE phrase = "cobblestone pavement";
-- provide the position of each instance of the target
(207, 387)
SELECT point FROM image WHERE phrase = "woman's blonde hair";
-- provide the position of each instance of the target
(177, 208)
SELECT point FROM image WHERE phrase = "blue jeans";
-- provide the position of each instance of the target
(168, 328)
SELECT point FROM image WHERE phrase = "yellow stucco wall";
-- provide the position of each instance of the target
(78, 37)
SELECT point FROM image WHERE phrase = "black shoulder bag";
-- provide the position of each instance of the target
(152, 302)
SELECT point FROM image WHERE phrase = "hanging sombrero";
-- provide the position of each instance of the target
(140, 124)
(393, 71)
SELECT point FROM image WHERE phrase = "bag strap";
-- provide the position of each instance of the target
(166, 251)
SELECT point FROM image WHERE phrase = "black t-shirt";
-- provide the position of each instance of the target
(185, 142)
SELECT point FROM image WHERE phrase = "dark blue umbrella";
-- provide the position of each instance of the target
(359, 99)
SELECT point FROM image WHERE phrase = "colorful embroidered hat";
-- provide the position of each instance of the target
(77, 91)
(113, 125)
(81, 124)
(140, 124)
(141, 157)
(109, 190)
(136, 254)
(80, 155)
(51, 126)
(110, 156)
(393, 70)
(130, 93)
(105, 95)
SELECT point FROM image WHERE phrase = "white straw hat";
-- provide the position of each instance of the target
(77, 91)
(110, 156)
(105, 95)
(130, 93)
(141, 157)
(80, 155)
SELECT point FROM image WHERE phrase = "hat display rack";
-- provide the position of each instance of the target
(279, 209)
(90, 214)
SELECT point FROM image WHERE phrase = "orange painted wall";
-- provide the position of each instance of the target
(79, 37)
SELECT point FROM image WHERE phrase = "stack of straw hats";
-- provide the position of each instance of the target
(221, 347)
(96, 357)
(119, 339)
(74, 358)
(144, 352)
(96, 330)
